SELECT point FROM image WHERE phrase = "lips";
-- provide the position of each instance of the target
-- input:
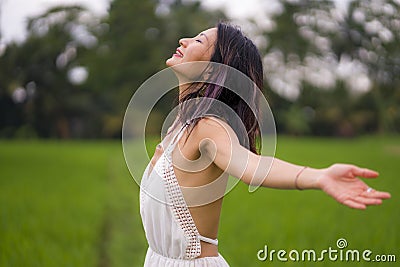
(178, 53)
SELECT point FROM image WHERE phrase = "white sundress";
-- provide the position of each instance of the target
(171, 233)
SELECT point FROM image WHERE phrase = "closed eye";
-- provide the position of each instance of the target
(199, 41)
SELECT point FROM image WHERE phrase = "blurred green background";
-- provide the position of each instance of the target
(74, 203)
(66, 196)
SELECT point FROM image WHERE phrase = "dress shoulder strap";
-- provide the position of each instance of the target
(174, 140)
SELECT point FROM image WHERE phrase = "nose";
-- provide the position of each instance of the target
(183, 42)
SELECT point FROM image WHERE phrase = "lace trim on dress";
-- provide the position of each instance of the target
(178, 204)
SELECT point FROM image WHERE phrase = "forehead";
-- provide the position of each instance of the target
(210, 33)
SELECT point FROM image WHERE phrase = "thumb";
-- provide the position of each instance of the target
(365, 173)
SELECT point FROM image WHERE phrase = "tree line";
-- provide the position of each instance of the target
(326, 72)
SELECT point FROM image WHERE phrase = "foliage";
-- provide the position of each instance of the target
(119, 52)
(36, 75)
(343, 65)
(327, 72)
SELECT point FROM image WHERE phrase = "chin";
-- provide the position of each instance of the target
(171, 62)
(168, 63)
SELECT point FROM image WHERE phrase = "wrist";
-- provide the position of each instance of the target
(309, 178)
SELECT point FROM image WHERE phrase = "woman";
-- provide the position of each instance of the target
(182, 227)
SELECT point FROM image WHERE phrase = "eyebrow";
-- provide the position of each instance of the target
(203, 34)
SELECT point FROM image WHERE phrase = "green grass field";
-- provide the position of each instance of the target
(75, 204)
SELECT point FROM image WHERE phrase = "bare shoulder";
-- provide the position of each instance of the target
(214, 129)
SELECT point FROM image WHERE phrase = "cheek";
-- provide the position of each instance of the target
(192, 55)
(209, 52)
(198, 53)
(205, 54)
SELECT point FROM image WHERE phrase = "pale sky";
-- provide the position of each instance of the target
(14, 13)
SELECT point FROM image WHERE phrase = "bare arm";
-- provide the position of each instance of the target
(339, 181)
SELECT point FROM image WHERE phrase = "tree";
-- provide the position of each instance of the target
(42, 77)
(351, 58)
(75, 73)
(141, 36)
(370, 33)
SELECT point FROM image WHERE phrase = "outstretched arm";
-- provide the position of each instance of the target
(340, 181)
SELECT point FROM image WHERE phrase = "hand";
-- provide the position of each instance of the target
(340, 182)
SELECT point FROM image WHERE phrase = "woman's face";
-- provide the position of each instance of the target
(198, 48)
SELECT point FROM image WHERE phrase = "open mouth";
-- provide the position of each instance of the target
(178, 53)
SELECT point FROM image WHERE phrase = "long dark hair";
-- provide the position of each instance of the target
(235, 50)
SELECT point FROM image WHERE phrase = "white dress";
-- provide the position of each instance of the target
(171, 233)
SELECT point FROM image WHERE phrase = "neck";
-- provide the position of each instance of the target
(183, 90)
(188, 73)
(186, 86)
